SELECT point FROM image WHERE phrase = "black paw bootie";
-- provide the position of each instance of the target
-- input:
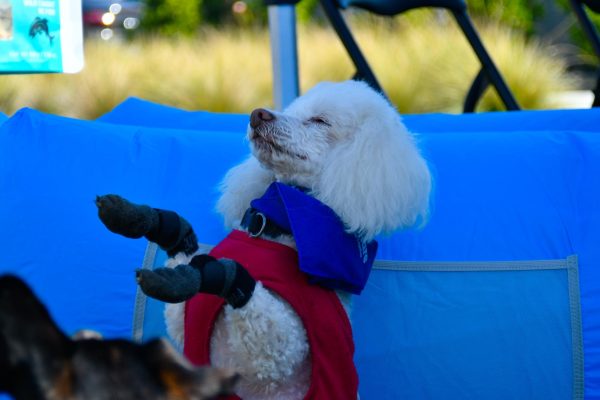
(204, 274)
(165, 228)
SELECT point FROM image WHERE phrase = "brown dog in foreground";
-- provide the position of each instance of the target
(39, 362)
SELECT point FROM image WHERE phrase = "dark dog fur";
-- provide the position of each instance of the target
(39, 362)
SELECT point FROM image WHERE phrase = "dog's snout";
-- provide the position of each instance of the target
(259, 116)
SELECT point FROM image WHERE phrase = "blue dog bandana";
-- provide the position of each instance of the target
(329, 255)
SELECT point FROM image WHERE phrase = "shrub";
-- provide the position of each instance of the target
(517, 14)
(424, 67)
(428, 65)
(171, 17)
(578, 36)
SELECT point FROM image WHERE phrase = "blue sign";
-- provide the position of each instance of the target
(38, 36)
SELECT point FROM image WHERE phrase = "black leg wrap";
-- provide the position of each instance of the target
(173, 234)
(225, 278)
(212, 273)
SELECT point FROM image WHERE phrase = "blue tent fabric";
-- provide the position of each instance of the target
(51, 169)
(510, 188)
(139, 112)
(539, 120)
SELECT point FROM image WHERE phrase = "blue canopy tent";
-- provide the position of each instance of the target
(496, 298)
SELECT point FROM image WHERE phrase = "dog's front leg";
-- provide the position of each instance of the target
(203, 274)
(166, 228)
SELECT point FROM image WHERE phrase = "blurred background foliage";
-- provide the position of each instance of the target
(214, 55)
(174, 17)
(517, 14)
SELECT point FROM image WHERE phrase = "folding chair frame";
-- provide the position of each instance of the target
(592, 35)
(488, 73)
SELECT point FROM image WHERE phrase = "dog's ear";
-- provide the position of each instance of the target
(376, 180)
(29, 338)
(241, 184)
(181, 379)
(24, 318)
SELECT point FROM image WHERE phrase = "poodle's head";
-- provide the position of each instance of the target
(346, 144)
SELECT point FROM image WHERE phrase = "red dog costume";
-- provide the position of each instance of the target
(327, 326)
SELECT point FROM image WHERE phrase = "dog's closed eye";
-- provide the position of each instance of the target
(319, 120)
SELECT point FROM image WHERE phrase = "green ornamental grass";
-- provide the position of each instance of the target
(424, 64)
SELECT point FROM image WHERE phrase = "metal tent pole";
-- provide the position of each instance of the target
(284, 54)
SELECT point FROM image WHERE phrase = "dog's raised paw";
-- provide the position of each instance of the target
(121, 216)
(171, 285)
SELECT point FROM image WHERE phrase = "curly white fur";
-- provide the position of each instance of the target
(241, 184)
(347, 145)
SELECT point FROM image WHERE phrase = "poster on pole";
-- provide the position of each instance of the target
(40, 36)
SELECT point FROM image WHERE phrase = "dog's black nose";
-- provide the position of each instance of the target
(259, 116)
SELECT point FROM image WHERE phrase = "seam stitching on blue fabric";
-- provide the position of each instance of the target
(466, 266)
(576, 328)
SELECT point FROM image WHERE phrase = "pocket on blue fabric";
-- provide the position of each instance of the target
(472, 330)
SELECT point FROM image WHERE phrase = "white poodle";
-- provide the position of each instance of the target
(340, 149)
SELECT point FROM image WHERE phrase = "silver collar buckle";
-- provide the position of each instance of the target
(251, 227)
